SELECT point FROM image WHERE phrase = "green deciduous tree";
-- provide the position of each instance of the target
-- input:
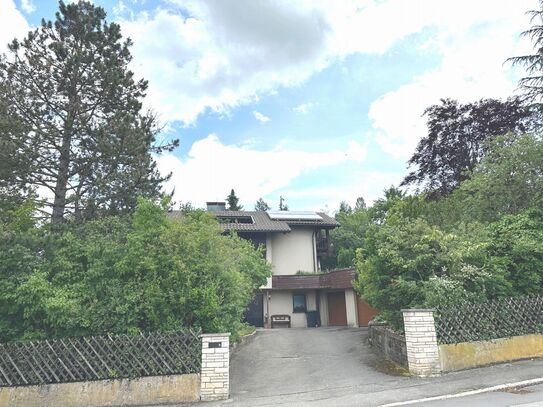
(516, 249)
(21, 244)
(408, 263)
(262, 205)
(360, 203)
(344, 207)
(508, 180)
(457, 139)
(128, 274)
(77, 109)
(484, 241)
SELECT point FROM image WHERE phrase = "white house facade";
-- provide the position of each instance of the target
(298, 294)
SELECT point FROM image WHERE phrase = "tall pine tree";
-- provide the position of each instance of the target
(89, 144)
(233, 202)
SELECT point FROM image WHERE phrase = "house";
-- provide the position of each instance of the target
(295, 243)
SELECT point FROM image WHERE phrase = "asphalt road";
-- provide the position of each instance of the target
(522, 397)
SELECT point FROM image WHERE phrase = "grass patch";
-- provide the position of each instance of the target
(243, 330)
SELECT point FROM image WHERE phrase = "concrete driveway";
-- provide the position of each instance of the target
(336, 367)
(288, 366)
(325, 367)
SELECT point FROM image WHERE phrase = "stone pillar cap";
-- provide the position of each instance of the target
(218, 334)
(418, 310)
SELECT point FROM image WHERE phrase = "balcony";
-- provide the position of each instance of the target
(323, 246)
(335, 279)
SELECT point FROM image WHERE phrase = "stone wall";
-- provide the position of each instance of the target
(387, 343)
(118, 392)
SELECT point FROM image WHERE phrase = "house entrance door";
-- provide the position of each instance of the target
(337, 312)
(254, 315)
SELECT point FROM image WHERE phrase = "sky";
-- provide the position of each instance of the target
(316, 101)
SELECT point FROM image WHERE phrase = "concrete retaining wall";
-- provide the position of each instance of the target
(473, 354)
(117, 392)
(388, 343)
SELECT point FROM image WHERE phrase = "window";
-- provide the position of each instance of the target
(298, 303)
(235, 219)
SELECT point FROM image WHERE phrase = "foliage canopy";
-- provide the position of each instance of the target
(124, 274)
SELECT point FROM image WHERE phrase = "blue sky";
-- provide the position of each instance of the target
(316, 101)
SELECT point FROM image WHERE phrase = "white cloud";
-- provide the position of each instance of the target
(28, 6)
(472, 67)
(260, 117)
(12, 24)
(303, 108)
(121, 9)
(370, 188)
(212, 168)
(222, 56)
(209, 55)
(201, 55)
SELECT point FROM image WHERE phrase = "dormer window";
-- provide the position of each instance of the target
(235, 219)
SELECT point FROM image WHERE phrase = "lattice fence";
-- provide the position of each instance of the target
(490, 320)
(99, 357)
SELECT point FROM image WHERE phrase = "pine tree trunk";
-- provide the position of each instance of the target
(61, 186)
(59, 203)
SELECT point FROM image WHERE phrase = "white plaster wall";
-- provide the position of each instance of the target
(269, 258)
(269, 248)
(280, 303)
(350, 305)
(293, 251)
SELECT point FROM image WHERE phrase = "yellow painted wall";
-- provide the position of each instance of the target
(136, 392)
(473, 354)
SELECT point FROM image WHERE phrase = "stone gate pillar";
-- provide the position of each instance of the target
(215, 373)
(421, 342)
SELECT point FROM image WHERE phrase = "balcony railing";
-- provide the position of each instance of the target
(323, 245)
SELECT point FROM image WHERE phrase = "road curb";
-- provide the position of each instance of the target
(499, 387)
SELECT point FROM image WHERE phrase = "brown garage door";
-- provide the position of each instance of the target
(337, 314)
(365, 312)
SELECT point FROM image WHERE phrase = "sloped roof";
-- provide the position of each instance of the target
(327, 221)
(261, 222)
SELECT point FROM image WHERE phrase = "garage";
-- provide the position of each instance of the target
(364, 312)
(337, 311)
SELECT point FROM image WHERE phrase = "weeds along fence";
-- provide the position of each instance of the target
(100, 357)
(488, 320)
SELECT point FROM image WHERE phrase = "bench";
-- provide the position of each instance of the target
(281, 320)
